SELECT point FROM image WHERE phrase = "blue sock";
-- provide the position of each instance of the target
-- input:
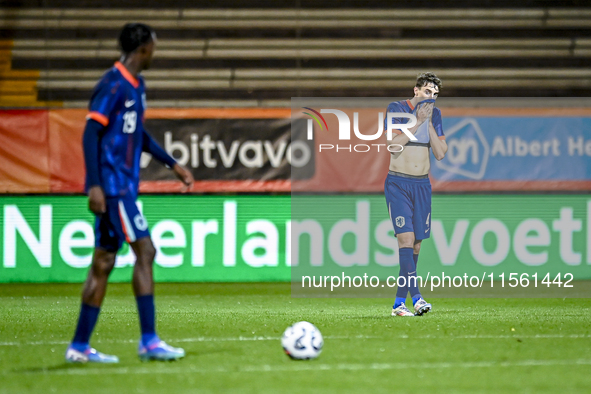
(86, 322)
(401, 292)
(399, 301)
(416, 258)
(407, 266)
(147, 314)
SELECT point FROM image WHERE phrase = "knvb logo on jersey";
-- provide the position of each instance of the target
(344, 130)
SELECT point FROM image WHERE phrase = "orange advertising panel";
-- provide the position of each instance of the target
(347, 166)
(66, 165)
(24, 152)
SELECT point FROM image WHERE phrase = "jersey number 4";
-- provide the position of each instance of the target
(130, 122)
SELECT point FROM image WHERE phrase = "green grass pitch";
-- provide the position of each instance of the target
(231, 334)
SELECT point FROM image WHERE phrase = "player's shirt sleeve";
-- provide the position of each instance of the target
(90, 146)
(105, 99)
(152, 147)
(436, 120)
(394, 107)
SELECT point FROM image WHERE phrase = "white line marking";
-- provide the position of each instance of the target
(184, 340)
(513, 336)
(310, 366)
(267, 338)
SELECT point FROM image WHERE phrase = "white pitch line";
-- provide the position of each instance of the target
(310, 366)
(184, 340)
(512, 336)
(267, 338)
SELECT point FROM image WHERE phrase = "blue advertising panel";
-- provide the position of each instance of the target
(514, 150)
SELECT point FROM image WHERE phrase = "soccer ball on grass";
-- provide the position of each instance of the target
(302, 341)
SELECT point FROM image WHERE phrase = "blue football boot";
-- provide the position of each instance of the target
(158, 350)
(89, 355)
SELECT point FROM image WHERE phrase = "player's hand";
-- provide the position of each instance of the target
(425, 112)
(430, 107)
(184, 175)
(96, 200)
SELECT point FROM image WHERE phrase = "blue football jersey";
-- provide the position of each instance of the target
(422, 133)
(118, 102)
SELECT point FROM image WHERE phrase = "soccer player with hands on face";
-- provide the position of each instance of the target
(407, 187)
(114, 139)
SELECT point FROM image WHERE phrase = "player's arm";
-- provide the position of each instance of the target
(102, 103)
(436, 137)
(152, 147)
(90, 144)
(401, 138)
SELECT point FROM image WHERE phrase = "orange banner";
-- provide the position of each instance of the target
(24, 152)
(66, 165)
(342, 169)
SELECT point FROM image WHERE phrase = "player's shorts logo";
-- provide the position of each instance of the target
(400, 221)
(140, 222)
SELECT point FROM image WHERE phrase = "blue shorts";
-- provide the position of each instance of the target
(122, 222)
(409, 205)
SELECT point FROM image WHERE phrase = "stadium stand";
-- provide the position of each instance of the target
(246, 56)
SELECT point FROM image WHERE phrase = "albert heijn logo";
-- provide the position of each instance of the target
(468, 150)
(345, 124)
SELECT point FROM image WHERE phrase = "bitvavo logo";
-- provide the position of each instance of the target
(345, 130)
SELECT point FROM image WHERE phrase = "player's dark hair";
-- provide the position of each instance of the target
(428, 77)
(134, 35)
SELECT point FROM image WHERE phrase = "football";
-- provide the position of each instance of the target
(302, 341)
